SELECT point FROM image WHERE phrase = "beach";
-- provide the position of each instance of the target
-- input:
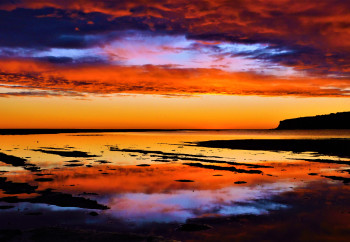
(175, 185)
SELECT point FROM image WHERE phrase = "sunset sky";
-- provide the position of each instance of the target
(171, 63)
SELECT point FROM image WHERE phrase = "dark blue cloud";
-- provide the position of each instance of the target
(314, 34)
(53, 28)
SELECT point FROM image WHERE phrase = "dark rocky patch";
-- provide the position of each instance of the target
(328, 161)
(222, 168)
(143, 165)
(167, 157)
(248, 165)
(44, 179)
(40, 174)
(162, 160)
(102, 161)
(336, 147)
(15, 187)
(240, 182)
(312, 174)
(31, 167)
(346, 170)
(73, 165)
(189, 158)
(65, 153)
(156, 152)
(58, 199)
(17, 161)
(184, 180)
(345, 180)
(65, 200)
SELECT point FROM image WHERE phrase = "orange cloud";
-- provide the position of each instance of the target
(107, 79)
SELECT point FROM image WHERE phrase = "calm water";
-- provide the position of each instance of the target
(141, 182)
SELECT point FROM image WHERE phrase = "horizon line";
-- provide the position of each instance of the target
(18, 131)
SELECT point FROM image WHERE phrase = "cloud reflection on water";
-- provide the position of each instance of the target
(179, 205)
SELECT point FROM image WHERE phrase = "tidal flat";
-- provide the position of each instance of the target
(183, 185)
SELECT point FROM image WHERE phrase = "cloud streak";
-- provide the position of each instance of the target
(162, 80)
(248, 47)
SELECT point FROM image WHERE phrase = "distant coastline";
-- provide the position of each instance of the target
(75, 131)
(59, 131)
(329, 121)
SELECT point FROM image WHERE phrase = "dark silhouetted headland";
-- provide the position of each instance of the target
(329, 121)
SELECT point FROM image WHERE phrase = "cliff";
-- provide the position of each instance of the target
(329, 121)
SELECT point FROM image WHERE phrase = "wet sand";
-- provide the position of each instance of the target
(116, 186)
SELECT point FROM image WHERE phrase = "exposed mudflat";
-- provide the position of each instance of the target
(174, 186)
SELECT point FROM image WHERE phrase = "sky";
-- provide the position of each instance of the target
(171, 63)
